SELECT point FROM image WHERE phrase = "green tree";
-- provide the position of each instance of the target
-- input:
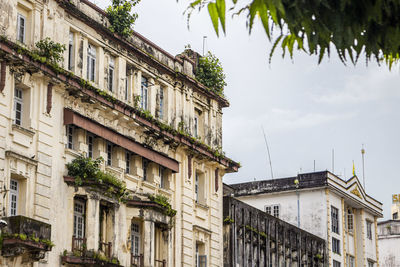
(210, 73)
(353, 28)
(120, 16)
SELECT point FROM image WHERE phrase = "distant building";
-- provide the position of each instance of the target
(389, 243)
(339, 211)
(254, 238)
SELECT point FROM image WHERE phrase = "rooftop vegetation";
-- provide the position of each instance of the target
(120, 16)
(210, 73)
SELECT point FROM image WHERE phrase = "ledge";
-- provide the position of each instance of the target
(23, 130)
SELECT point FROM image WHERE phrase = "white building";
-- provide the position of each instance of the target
(389, 243)
(327, 206)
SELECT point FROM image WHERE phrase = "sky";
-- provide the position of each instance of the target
(307, 110)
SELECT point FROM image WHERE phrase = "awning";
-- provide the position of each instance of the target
(71, 117)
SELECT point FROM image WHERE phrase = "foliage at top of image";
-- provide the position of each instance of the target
(210, 73)
(367, 28)
(120, 16)
(50, 50)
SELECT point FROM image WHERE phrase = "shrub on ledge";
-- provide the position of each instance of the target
(85, 169)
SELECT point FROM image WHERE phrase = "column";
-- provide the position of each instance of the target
(92, 227)
(149, 240)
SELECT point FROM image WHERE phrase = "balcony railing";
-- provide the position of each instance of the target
(79, 245)
(106, 248)
(137, 260)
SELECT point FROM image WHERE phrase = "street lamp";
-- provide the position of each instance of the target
(296, 182)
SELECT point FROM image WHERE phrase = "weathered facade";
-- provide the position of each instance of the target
(321, 203)
(127, 101)
(255, 238)
(389, 243)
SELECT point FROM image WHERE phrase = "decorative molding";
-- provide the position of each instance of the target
(18, 156)
(356, 192)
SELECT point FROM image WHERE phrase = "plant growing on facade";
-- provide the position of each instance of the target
(210, 73)
(120, 16)
(24, 237)
(164, 203)
(50, 50)
(85, 169)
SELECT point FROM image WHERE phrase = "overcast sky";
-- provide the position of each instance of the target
(306, 109)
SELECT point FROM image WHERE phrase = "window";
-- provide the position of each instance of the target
(90, 145)
(111, 74)
(196, 126)
(276, 211)
(196, 187)
(369, 230)
(395, 216)
(145, 164)
(143, 93)
(127, 162)
(371, 264)
(21, 28)
(201, 260)
(79, 219)
(14, 191)
(162, 178)
(350, 221)
(350, 261)
(135, 239)
(126, 88)
(273, 210)
(91, 63)
(109, 154)
(71, 51)
(268, 209)
(335, 219)
(70, 137)
(18, 106)
(161, 104)
(335, 245)
(336, 263)
(199, 188)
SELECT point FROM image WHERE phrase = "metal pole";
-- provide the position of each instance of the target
(362, 153)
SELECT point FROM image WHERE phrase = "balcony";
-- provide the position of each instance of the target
(27, 237)
(80, 255)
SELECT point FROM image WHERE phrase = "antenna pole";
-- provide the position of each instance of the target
(333, 161)
(269, 155)
(314, 165)
(362, 154)
(204, 41)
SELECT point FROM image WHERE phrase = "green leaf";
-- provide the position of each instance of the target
(221, 12)
(213, 12)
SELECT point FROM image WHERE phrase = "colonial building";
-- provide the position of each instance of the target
(156, 199)
(254, 238)
(336, 210)
(389, 243)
